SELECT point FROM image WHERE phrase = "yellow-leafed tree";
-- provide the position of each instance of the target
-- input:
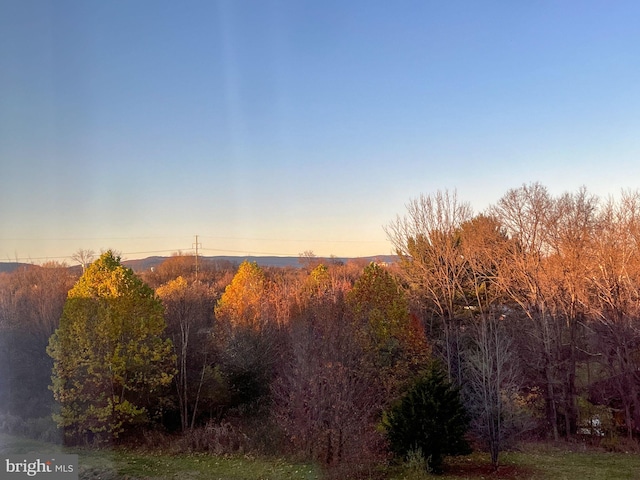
(241, 304)
(110, 357)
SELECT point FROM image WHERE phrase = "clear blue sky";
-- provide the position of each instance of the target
(275, 127)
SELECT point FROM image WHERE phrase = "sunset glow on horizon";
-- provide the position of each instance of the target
(274, 128)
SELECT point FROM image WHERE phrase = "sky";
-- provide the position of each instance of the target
(279, 127)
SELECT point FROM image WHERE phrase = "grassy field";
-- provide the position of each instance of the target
(534, 462)
(122, 464)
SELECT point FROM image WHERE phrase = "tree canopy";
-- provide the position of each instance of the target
(110, 358)
(240, 304)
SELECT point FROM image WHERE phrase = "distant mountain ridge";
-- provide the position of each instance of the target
(8, 267)
(142, 264)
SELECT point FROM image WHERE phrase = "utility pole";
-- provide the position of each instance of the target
(196, 245)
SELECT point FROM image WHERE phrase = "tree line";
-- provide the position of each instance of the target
(546, 290)
(527, 312)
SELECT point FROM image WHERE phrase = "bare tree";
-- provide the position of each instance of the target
(492, 381)
(188, 312)
(615, 302)
(525, 214)
(427, 240)
(570, 236)
(31, 303)
(84, 257)
(328, 394)
(491, 366)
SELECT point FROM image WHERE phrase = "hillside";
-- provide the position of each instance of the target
(143, 264)
(8, 267)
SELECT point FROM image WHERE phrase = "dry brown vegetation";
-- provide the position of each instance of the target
(532, 306)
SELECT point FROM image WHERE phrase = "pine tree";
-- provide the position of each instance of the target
(430, 418)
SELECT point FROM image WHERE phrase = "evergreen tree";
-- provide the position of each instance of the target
(110, 360)
(430, 418)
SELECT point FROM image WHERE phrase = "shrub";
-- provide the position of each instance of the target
(214, 438)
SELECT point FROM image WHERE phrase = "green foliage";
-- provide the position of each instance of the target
(110, 360)
(385, 329)
(318, 282)
(377, 298)
(535, 462)
(117, 464)
(429, 417)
